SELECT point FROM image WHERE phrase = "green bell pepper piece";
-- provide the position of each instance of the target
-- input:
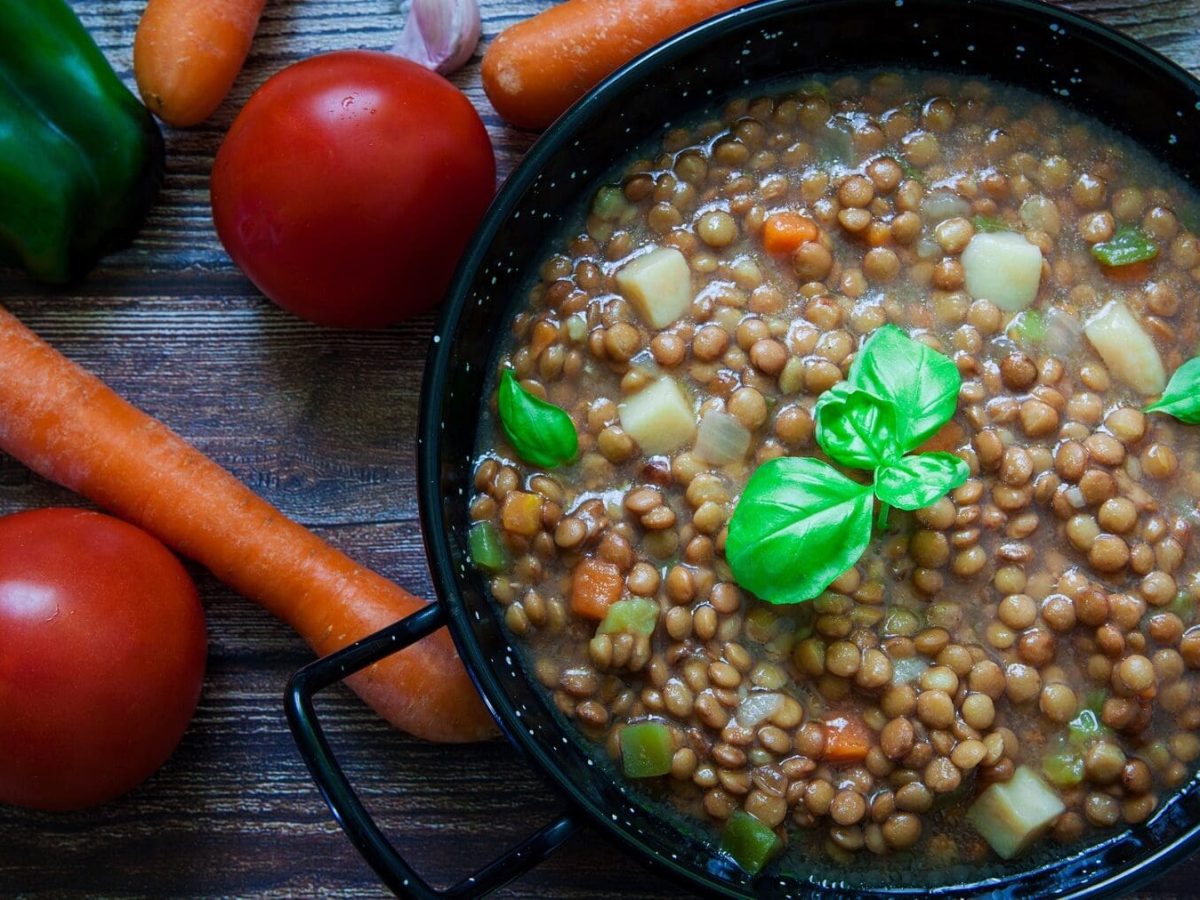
(81, 158)
(1085, 728)
(636, 615)
(487, 551)
(1127, 246)
(1063, 770)
(749, 842)
(646, 749)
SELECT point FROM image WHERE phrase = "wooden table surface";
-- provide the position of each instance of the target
(322, 424)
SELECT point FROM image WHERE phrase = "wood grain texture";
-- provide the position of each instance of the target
(323, 425)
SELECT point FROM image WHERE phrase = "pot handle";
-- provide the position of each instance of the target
(345, 804)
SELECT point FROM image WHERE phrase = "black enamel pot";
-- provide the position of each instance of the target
(1061, 55)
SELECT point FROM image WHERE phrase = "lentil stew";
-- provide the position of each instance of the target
(1028, 642)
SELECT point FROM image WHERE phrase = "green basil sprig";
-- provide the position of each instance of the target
(1181, 399)
(540, 432)
(1128, 245)
(915, 482)
(800, 523)
(922, 383)
(857, 429)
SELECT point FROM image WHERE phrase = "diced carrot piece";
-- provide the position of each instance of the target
(784, 232)
(1138, 271)
(595, 586)
(847, 739)
(522, 513)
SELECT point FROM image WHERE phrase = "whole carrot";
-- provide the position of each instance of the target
(536, 68)
(67, 426)
(187, 53)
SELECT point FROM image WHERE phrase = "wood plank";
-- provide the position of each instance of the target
(323, 425)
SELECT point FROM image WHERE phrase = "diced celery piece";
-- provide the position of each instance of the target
(1063, 769)
(749, 842)
(1184, 606)
(646, 749)
(1011, 815)
(487, 551)
(636, 615)
(813, 89)
(1127, 246)
(1085, 728)
(1028, 329)
(834, 145)
(609, 202)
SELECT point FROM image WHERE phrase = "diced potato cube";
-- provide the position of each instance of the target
(1003, 267)
(522, 513)
(1011, 815)
(658, 284)
(1126, 349)
(659, 417)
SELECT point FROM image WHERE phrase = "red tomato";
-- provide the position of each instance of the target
(349, 185)
(102, 648)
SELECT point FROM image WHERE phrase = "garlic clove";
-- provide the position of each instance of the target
(440, 34)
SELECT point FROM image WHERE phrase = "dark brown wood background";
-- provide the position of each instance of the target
(322, 424)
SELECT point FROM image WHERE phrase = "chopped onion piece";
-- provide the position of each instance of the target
(1064, 332)
(757, 706)
(908, 669)
(1126, 349)
(942, 204)
(722, 438)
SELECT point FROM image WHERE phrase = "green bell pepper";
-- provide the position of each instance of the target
(81, 158)
(749, 842)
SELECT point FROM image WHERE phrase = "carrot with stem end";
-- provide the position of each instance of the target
(538, 67)
(187, 54)
(67, 426)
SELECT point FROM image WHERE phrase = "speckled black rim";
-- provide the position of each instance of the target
(1082, 875)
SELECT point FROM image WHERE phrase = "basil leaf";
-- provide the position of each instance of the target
(540, 432)
(921, 383)
(857, 429)
(1181, 399)
(917, 481)
(1127, 246)
(798, 525)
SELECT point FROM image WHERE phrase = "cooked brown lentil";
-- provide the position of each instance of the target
(966, 642)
